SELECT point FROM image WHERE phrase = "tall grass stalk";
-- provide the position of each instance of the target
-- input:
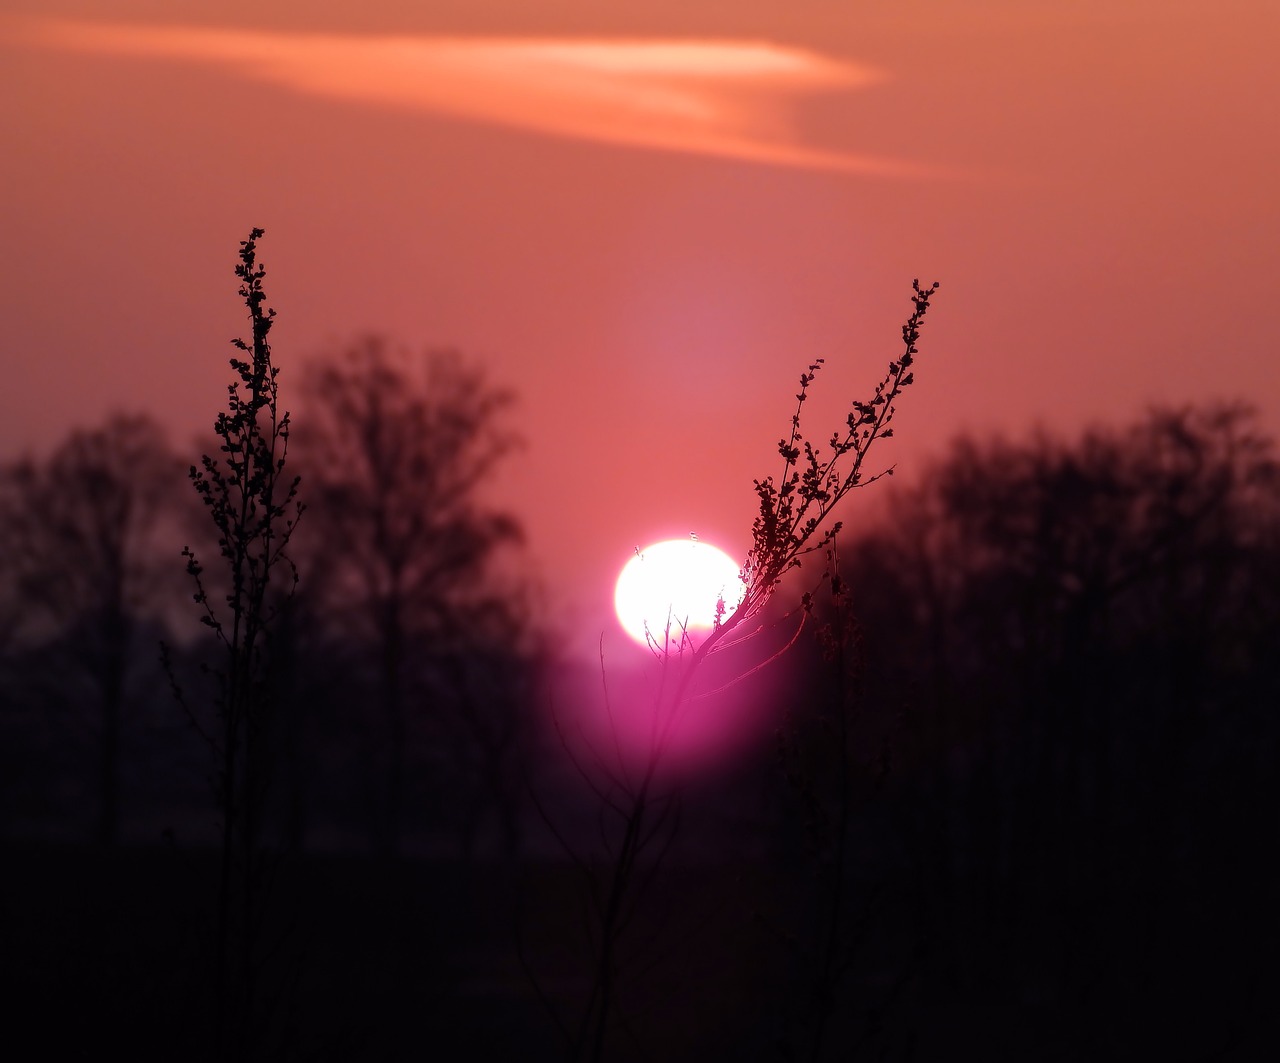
(254, 508)
(794, 520)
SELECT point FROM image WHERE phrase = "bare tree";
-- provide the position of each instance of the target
(403, 547)
(78, 537)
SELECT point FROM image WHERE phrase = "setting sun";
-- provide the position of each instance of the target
(678, 583)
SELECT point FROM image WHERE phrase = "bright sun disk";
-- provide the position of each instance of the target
(679, 582)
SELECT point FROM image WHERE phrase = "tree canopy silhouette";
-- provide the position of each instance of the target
(1080, 638)
(79, 538)
(404, 550)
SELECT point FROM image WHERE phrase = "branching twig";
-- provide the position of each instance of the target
(794, 521)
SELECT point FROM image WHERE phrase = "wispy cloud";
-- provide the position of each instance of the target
(712, 97)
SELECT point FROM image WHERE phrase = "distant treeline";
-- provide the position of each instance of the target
(400, 667)
(1083, 633)
(1029, 755)
(1063, 702)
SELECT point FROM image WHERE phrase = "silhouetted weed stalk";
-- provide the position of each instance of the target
(254, 509)
(794, 521)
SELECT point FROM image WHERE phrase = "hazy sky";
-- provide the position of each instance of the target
(647, 218)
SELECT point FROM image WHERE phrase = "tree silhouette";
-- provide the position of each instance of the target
(78, 542)
(403, 548)
(1081, 634)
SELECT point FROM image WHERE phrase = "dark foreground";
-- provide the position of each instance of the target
(420, 960)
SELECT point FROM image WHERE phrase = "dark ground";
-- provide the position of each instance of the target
(419, 960)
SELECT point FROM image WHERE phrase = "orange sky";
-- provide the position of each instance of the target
(647, 221)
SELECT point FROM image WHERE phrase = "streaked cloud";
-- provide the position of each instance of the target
(726, 98)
